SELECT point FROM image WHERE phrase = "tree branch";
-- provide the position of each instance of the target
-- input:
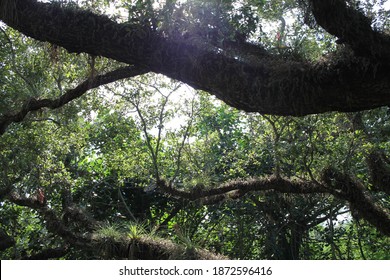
(53, 223)
(379, 171)
(137, 248)
(238, 188)
(345, 187)
(68, 96)
(352, 27)
(265, 83)
(340, 185)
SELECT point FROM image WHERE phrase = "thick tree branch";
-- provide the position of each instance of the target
(345, 187)
(340, 185)
(53, 223)
(352, 27)
(151, 248)
(68, 96)
(76, 215)
(237, 189)
(137, 248)
(263, 83)
(380, 171)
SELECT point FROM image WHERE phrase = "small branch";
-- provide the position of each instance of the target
(359, 238)
(160, 122)
(169, 218)
(35, 104)
(277, 132)
(324, 218)
(379, 171)
(345, 187)
(47, 119)
(53, 223)
(352, 27)
(185, 136)
(153, 154)
(125, 205)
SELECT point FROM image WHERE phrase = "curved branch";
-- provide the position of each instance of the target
(352, 27)
(340, 185)
(345, 187)
(53, 223)
(263, 83)
(137, 248)
(380, 171)
(147, 248)
(93, 82)
(238, 188)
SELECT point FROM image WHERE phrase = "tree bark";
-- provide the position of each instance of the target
(345, 187)
(264, 83)
(340, 185)
(352, 28)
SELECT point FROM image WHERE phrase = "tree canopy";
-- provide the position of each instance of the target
(194, 129)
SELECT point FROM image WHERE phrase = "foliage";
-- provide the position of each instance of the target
(111, 148)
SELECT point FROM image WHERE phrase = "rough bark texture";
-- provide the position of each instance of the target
(352, 28)
(380, 171)
(333, 182)
(345, 187)
(265, 83)
(340, 185)
(147, 248)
